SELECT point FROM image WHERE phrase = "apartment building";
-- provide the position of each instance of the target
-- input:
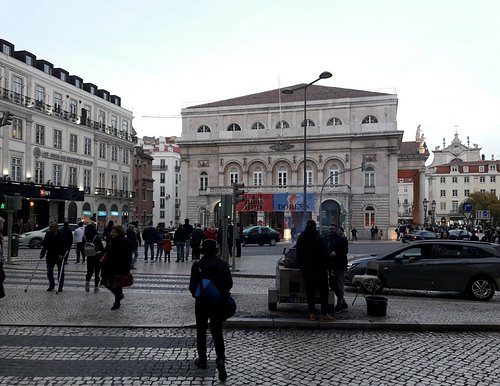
(68, 149)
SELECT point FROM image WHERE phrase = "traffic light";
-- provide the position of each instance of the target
(7, 118)
(238, 193)
(3, 204)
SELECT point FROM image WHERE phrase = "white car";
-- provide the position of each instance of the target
(34, 239)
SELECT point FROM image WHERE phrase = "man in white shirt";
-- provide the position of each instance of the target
(79, 234)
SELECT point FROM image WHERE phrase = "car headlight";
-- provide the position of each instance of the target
(22, 236)
(351, 265)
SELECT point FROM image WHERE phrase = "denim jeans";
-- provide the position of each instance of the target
(180, 250)
(338, 285)
(151, 246)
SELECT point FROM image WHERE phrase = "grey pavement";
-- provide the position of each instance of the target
(159, 298)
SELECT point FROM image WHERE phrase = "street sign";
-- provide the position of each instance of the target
(467, 207)
(467, 215)
(483, 215)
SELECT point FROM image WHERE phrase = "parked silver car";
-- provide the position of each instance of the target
(470, 267)
(34, 239)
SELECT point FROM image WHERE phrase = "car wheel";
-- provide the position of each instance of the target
(272, 242)
(272, 306)
(36, 243)
(372, 288)
(481, 288)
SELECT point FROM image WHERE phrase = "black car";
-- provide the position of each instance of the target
(260, 235)
(459, 234)
(418, 235)
(470, 267)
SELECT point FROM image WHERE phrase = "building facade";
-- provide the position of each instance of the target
(68, 151)
(143, 186)
(166, 175)
(457, 171)
(258, 140)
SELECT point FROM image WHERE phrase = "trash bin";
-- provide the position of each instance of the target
(14, 249)
(376, 305)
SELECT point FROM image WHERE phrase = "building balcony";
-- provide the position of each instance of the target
(58, 112)
(111, 192)
(270, 189)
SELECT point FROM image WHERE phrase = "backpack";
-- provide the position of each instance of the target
(89, 248)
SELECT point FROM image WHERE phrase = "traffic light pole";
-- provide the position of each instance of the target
(238, 193)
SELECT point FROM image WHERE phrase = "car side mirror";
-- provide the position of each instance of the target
(398, 258)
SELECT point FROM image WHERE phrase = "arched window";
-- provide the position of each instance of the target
(333, 174)
(257, 176)
(369, 177)
(370, 119)
(233, 127)
(334, 122)
(282, 176)
(309, 175)
(258, 126)
(204, 129)
(310, 122)
(369, 216)
(203, 181)
(282, 125)
(233, 175)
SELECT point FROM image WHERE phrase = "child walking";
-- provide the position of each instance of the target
(167, 247)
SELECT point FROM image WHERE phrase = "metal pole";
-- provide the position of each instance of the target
(304, 221)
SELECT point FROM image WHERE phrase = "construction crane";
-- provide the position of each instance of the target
(161, 116)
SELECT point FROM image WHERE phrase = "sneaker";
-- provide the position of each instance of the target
(115, 306)
(327, 318)
(87, 286)
(200, 363)
(50, 289)
(221, 368)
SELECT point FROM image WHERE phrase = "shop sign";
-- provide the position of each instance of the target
(87, 213)
(262, 202)
(102, 213)
(114, 213)
(292, 202)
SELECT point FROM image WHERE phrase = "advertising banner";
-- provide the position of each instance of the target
(292, 202)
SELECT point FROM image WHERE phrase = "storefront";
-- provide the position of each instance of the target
(281, 211)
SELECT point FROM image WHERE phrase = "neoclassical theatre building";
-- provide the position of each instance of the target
(258, 140)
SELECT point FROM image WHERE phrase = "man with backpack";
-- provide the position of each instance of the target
(206, 307)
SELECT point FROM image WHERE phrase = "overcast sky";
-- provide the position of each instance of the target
(440, 57)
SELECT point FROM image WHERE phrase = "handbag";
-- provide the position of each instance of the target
(124, 280)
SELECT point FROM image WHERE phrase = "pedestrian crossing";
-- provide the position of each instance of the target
(143, 282)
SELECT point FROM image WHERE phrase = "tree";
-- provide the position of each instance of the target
(484, 201)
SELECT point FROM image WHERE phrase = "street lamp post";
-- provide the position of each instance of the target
(433, 210)
(288, 91)
(426, 205)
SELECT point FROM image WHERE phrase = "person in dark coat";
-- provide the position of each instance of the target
(68, 240)
(106, 232)
(54, 249)
(188, 230)
(132, 237)
(196, 239)
(116, 261)
(337, 247)
(149, 235)
(312, 258)
(93, 264)
(180, 243)
(217, 270)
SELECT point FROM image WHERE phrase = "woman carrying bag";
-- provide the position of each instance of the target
(116, 263)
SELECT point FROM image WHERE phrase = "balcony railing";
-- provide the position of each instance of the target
(111, 192)
(57, 112)
(250, 189)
